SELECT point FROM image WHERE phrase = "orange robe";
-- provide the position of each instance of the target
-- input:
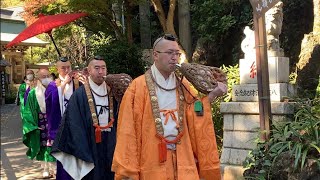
(137, 155)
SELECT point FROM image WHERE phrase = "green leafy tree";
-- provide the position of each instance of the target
(120, 56)
(218, 26)
(10, 3)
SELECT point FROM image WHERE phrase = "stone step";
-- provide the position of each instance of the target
(281, 108)
(232, 172)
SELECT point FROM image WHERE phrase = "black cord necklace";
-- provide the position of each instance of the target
(97, 93)
(171, 89)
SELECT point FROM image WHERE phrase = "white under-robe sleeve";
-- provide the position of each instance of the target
(75, 167)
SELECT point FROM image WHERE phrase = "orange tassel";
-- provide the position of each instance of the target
(98, 134)
(162, 151)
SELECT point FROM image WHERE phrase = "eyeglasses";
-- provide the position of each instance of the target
(170, 53)
(63, 59)
(169, 37)
(98, 57)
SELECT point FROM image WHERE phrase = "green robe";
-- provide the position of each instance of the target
(22, 90)
(31, 131)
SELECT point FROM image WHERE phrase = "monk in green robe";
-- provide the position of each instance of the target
(35, 123)
(24, 90)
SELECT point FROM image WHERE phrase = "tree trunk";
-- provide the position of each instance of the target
(184, 27)
(160, 13)
(116, 8)
(199, 53)
(129, 29)
(145, 34)
(170, 16)
(128, 20)
(117, 14)
(308, 67)
(167, 23)
(316, 12)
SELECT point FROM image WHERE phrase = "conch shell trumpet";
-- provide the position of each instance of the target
(118, 83)
(203, 78)
(77, 73)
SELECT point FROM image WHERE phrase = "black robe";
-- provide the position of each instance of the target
(76, 136)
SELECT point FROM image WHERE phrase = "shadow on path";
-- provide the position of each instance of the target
(14, 162)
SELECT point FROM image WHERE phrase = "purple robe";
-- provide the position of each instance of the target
(54, 119)
(53, 109)
(26, 95)
(43, 124)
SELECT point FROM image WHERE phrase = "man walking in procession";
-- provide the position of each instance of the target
(24, 89)
(35, 124)
(86, 138)
(160, 136)
(57, 96)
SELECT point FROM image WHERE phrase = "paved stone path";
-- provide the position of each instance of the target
(14, 162)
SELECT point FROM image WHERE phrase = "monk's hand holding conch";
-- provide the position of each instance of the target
(67, 79)
(220, 90)
(82, 78)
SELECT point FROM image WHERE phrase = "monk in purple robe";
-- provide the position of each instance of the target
(57, 96)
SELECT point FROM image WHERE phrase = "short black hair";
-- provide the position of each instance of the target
(54, 76)
(98, 57)
(63, 59)
(169, 37)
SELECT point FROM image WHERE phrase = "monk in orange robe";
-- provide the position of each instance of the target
(160, 136)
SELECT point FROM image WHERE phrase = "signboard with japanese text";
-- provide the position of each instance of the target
(249, 92)
(262, 6)
(3, 84)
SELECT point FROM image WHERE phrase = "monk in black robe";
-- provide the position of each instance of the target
(86, 137)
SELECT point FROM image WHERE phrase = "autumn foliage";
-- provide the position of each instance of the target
(32, 7)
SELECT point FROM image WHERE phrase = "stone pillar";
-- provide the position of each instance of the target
(241, 116)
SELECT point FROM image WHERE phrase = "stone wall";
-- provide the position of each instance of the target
(241, 128)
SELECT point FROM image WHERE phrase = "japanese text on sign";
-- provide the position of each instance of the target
(252, 92)
(253, 70)
(3, 87)
(262, 6)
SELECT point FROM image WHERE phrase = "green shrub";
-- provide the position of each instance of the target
(292, 144)
(11, 95)
(233, 75)
(233, 79)
(122, 57)
(318, 90)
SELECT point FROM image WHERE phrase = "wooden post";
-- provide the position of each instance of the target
(262, 76)
(260, 7)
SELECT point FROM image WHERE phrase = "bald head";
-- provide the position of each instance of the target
(29, 71)
(43, 73)
(44, 77)
(161, 41)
